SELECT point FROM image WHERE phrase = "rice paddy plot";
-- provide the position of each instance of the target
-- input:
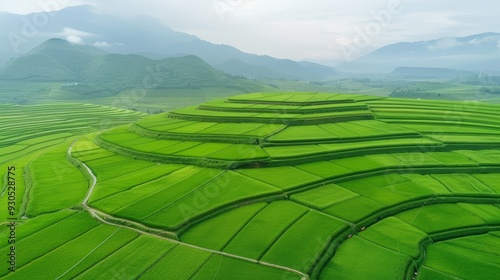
(76, 256)
(138, 254)
(106, 168)
(473, 257)
(462, 184)
(65, 231)
(264, 229)
(217, 232)
(440, 217)
(490, 180)
(285, 178)
(325, 169)
(168, 188)
(182, 262)
(309, 236)
(228, 189)
(394, 234)
(56, 183)
(358, 258)
(324, 196)
(219, 267)
(380, 195)
(131, 180)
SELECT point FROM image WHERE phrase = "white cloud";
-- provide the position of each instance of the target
(475, 42)
(105, 45)
(483, 40)
(444, 44)
(74, 36)
(102, 44)
(74, 39)
(67, 31)
(344, 41)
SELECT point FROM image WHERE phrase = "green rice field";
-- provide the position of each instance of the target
(258, 186)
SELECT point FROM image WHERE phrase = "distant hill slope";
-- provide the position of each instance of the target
(479, 52)
(239, 67)
(426, 73)
(294, 70)
(54, 60)
(91, 71)
(146, 36)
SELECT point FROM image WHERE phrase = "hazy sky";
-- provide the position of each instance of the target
(301, 29)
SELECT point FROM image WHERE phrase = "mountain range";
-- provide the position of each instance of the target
(429, 73)
(150, 38)
(146, 37)
(480, 52)
(90, 70)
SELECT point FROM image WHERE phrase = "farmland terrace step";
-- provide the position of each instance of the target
(262, 141)
(269, 142)
(197, 137)
(283, 109)
(300, 99)
(301, 157)
(288, 119)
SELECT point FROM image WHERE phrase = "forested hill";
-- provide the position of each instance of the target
(88, 70)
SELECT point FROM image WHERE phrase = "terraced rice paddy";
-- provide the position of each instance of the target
(271, 186)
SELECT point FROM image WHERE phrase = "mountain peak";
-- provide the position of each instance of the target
(54, 46)
(55, 59)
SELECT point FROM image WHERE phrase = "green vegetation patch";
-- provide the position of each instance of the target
(396, 235)
(323, 197)
(462, 183)
(377, 194)
(264, 229)
(440, 217)
(354, 209)
(219, 267)
(227, 189)
(217, 232)
(138, 255)
(428, 182)
(147, 199)
(358, 257)
(490, 180)
(77, 255)
(52, 237)
(131, 180)
(179, 263)
(57, 183)
(309, 237)
(285, 178)
(465, 258)
(324, 169)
